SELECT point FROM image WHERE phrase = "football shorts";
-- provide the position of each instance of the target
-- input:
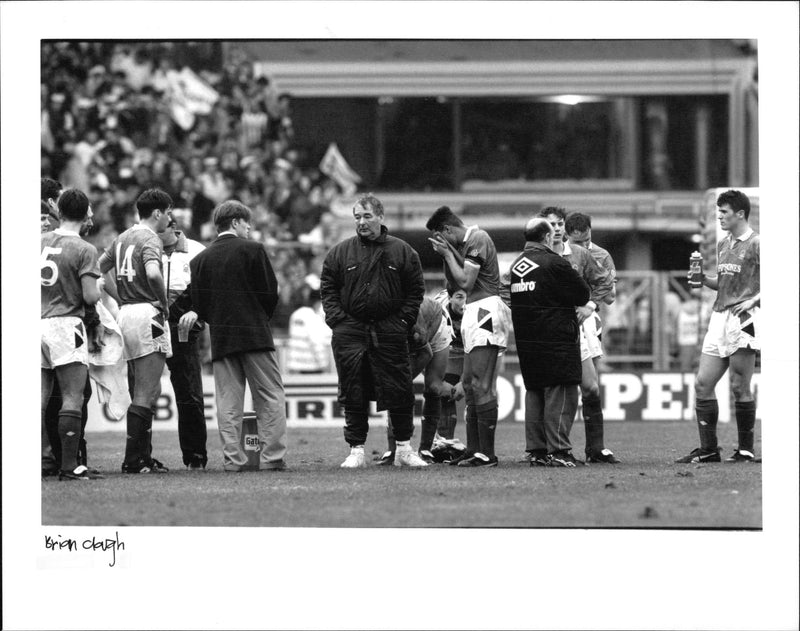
(443, 336)
(486, 322)
(590, 338)
(64, 342)
(728, 333)
(144, 330)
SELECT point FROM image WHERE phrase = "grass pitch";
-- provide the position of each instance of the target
(646, 491)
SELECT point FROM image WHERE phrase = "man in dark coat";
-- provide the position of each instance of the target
(235, 291)
(545, 290)
(372, 288)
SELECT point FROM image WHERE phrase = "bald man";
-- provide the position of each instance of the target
(545, 289)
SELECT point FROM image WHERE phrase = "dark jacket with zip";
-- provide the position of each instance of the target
(371, 292)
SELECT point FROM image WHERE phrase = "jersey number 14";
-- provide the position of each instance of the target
(125, 263)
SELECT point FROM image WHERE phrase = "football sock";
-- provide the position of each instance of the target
(137, 445)
(447, 420)
(69, 431)
(487, 423)
(707, 412)
(471, 421)
(431, 411)
(593, 422)
(745, 423)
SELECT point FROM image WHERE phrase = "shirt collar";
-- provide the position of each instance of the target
(65, 232)
(145, 226)
(469, 231)
(745, 236)
(535, 245)
(567, 249)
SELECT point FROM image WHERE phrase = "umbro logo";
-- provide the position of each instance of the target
(523, 266)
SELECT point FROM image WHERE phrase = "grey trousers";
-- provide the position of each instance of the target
(261, 371)
(549, 413)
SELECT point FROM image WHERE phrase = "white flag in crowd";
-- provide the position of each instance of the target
(335, 166)
(189, 95)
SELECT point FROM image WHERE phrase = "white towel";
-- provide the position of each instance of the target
(108, 369)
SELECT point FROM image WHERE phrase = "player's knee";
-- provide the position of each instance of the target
(740, 387)
(703, 388)
(479, 390)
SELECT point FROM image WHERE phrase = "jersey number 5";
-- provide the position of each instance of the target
(49, 265)
(125, 263)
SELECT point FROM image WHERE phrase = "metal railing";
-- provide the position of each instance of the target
(640, 329)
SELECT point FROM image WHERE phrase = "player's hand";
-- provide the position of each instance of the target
(96, 338)
(702, 276)
(747, 305)
(188, 319)
(583, 313)
(439, 244)
(457, 392)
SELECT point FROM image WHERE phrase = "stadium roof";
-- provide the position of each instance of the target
(490, 50)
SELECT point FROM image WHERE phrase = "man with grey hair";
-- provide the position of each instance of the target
(235, 291)
(545, 290)
(372, 287)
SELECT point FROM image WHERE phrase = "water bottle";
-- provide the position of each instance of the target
(696, 270)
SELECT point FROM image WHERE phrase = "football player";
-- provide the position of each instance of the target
(137, 283)
(732, 338)
(69, 274)
(446, 447)
(578, 228)
(470, 263)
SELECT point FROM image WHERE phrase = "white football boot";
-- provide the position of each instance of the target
(405, 457)
(356, 458)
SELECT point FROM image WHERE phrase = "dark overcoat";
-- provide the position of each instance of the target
(545, 290)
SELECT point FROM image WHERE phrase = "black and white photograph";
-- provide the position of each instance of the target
(342, 296)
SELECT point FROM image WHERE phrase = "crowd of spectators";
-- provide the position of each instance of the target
(115, 122)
